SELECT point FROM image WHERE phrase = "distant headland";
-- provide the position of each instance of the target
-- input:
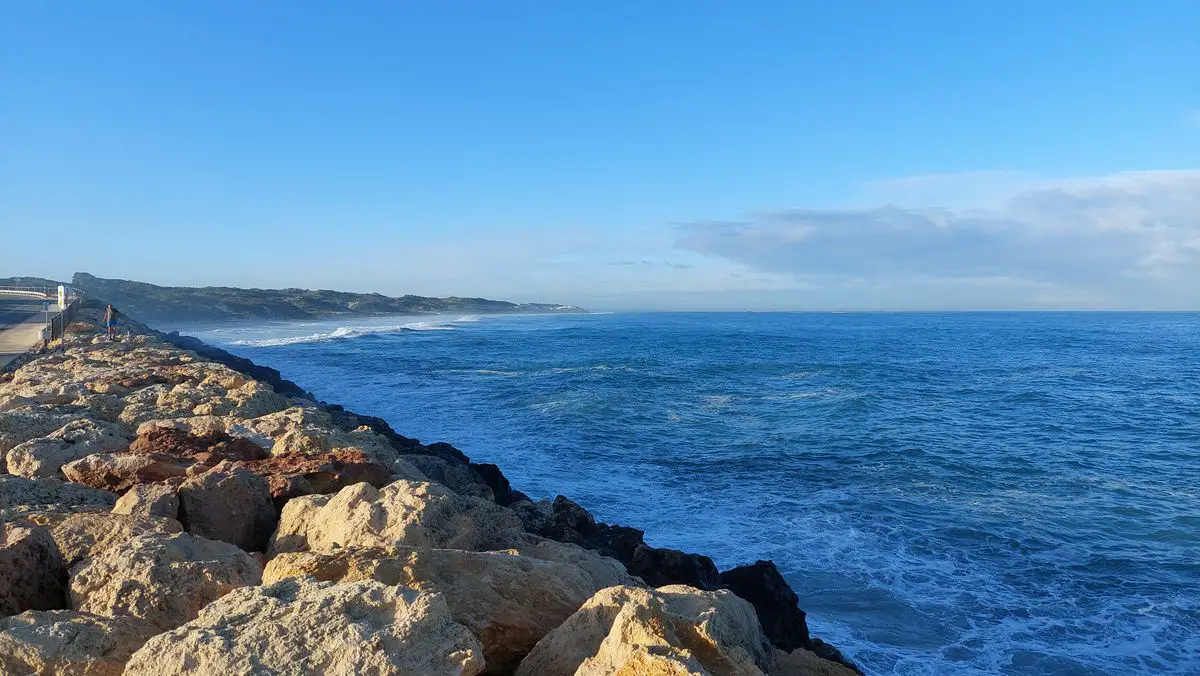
(151, 302)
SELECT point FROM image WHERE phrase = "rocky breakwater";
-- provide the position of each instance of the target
(168, 508)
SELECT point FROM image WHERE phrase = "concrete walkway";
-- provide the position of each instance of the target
(21, 322)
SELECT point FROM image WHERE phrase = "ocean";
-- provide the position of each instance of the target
(948, 493)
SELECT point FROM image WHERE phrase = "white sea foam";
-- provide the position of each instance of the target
(348, 332)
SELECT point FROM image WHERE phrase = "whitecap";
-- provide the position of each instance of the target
(347, 332)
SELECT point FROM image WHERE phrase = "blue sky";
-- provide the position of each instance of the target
(667, 155)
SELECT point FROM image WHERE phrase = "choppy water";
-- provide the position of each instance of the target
(948, 493)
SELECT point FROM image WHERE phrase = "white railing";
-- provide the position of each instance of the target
(29, 291)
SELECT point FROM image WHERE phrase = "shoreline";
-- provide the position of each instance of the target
(780, 621)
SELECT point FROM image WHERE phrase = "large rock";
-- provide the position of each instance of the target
(69, 643)
(801, 662)
(672, 630)
(45, 456)
(299, 626)
(121, 471)
(17, 427)
(250, 399)
(659, 566)
(208, 448)
(208, 424)
(275, 425)
(773, 599)
(457, 476)
(416, 514)
(322, 440)
(606, 571)
(160, 454)
(157, 499)
(163, 579)
(37, 494)
(88, 533)
(32, 573)
(508, 602)
(566, 521)
(230, 504)
(291, 475)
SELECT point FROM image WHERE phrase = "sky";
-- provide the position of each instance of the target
(616, 155)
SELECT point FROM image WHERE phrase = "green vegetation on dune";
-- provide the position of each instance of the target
(150, 302)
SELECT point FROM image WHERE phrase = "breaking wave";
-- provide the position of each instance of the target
(351, 332)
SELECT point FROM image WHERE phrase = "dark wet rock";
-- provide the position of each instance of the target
(778, 609)
(826, 651)
(661, 567)
(566, 521)
(348, 421)
(495, 479)
(773, 599)
(456, 476)
(445, 450)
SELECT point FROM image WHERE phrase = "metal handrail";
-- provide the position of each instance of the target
(42, 291)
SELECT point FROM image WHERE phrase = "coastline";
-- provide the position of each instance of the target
(302, 462)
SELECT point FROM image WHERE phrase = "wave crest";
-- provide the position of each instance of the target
(350, 332)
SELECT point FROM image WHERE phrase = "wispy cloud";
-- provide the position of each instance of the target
(1124, 240)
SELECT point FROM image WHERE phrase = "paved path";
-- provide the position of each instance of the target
(21, 322)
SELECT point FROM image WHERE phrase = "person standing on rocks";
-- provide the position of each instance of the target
(110, 322)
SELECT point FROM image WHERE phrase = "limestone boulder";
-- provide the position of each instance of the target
(200, 394)
(188, 448)
(604, 570)
(32, 572)
(69, 643)
(801, 662)
(300, 626)
(155, 499)
(165, 579)
(508, 602)
(209, 424)
(121, 471)
(294, 474)
(307, 440)
(315, 440)
(102, 407)
(276, 424)
(29, 494)
(17, 427)
(671, 630)
(142, 405)
(85, 534)
(456, 476)
(231, 504)
(416, 514)
(255, 399)
(45, 456)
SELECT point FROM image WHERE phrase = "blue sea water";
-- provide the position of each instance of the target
(956, 493)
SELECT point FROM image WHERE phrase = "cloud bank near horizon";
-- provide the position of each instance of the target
(1123, 241)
